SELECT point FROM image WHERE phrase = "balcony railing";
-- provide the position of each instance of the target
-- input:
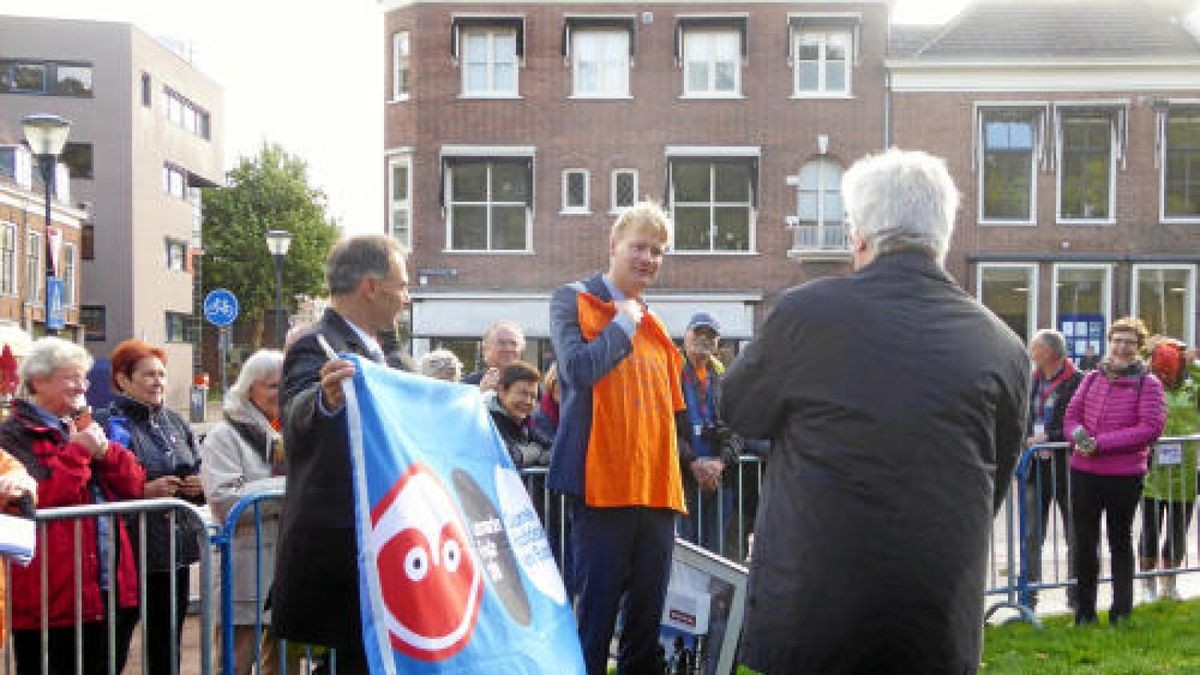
(819, 237)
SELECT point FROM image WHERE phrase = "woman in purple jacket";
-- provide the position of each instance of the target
(1115, 416)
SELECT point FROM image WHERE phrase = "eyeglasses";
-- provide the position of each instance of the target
(1123, 341)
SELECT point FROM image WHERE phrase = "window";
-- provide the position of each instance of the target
(1008, 167)
(400, 179)
(177, 327)
(33, 267)
(575, 191)
(822, 63)
(176, 255)
(820, 222)
(1010, 291)
(711, 63)
(1082, 305)
(45, 77)
(87, 240)
(489, 62)
(600, 63)
(624, 189)
(68, 274)
(1086, 166)
(712, 204)
(182, 112)
(1164, 296)
(146, 90)
(93, 318)
(174, 181)
(489, 205)
(1181, 168)
(400, 66)
(8, 259)
(78, 158)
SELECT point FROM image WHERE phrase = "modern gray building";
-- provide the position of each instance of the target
(145, 137)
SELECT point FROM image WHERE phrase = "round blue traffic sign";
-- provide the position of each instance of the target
(220, 307)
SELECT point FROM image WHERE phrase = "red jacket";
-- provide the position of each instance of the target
(62, 470)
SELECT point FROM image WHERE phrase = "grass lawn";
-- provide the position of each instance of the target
(1162, 637)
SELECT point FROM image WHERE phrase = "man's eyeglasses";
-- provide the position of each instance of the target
(1123, 341)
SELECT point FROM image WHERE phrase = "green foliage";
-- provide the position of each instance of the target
(1162, 637)
(267, 192)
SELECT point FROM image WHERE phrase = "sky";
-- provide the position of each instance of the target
(313, 82)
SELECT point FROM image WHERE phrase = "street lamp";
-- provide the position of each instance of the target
(46, 136)
(278, 242)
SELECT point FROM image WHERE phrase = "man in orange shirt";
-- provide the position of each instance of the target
(616, 453)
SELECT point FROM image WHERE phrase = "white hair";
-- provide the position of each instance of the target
(901, 199)
(440, 362)
(505, 323)
(47, 354)
(261, 364)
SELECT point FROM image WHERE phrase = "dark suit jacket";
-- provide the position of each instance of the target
(896, 405)
(315, 596)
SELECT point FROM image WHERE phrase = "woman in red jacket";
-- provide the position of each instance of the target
(1117, 413)
(74, 464)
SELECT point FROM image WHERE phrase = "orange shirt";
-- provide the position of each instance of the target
(632, 457)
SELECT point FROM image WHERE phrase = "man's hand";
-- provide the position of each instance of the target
(490, 380)
(332, 375)
(191, 486)
(165, 486)
(707, 473)
(91, 437)
(15, 484)
(1038, 440)
(631, 308)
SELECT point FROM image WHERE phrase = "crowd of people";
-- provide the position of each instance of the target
(874, 387)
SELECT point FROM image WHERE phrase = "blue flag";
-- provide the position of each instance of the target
(456, 575)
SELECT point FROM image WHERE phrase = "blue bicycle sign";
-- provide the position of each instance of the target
(220, 307)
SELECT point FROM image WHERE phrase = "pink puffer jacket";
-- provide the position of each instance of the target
(1125, 416)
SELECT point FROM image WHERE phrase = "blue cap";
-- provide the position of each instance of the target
(704, 320)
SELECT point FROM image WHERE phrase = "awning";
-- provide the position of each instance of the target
(460, 21)
(577, 22)
(715, 153)
(848, 21)
(685, 22)
(457, 155)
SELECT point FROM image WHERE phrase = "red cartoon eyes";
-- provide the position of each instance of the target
(451, 555)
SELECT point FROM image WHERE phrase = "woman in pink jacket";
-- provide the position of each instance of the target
(1115, 416)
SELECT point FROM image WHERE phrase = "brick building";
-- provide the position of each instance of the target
(514, 135)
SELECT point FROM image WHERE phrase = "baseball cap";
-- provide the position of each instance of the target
(704, 320)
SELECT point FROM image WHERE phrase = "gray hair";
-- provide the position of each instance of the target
(901, 199)
(47, 354)
(504, 323)
(261, 363)
(440, 362)
(355, 258)
(1052, 340)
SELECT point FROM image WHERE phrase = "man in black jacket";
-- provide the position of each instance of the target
(315, 594)
(896, 406)
(1055, 380)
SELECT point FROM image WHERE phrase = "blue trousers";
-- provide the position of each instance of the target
(622, 562)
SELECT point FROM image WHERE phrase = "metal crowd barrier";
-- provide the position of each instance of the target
(1021, 535)
(105, 514)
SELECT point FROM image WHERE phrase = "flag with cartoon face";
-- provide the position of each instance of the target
(456, 575)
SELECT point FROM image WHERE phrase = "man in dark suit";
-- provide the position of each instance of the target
(315, 595)
(896, 406)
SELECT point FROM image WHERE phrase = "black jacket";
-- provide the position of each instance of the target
(896, 406)
(164, 445)
(527, 445)
(315, 596)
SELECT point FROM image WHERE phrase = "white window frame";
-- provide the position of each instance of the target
(1106, 299)
(68, 276)
(712, 205)
(490, 91)
(612, 191)
(1162, 172)
(569, 209)
(822, 91)
(36, 252)
(449, 181)
(1037, 113)
(401, 61)
(1032, 290)
(821, 192)
(175, 244)
(602, 76)
(710, 92)
(1060, 152)
(1190, 292)
(12, 230)
(394, 204)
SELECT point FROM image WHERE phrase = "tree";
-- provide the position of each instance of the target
(266, 192)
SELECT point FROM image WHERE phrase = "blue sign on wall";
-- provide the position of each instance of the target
(1082, 331)
(220, 307)
(56, 318)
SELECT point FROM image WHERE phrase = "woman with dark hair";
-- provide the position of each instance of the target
(511, 406)
(1115, 416)
(163, 444)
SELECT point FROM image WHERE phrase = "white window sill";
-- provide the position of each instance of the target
(711, 97)
(574, 212)
(600, 97)
(490, 97)
(722, 254)
(834, 96)
(619, 211)
(401, 99)
(1080, 222)
(1180, 221)
(820, 254)
(1007, 223)
(454, 251)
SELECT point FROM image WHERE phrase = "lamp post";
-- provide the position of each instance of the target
(278, 242)
(46, 136)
